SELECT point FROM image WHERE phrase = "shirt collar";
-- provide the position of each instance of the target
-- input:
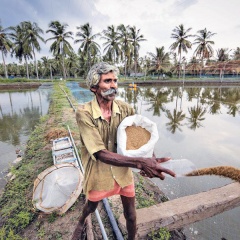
(97, 113)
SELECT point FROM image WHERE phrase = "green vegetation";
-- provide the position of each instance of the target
(15, 203)
(121, 46)
(16, 206)
(161, 234)
(144, 197)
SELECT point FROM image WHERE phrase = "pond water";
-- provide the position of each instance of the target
(196, 123)
(20, 111)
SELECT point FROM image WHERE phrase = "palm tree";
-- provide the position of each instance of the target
(31, 36)
(88, 44)
(60, 46)
(193, 66)
(146, 62)
(160, 60)
(48, 66)
(196, 112)
(72, 63)
(5, 46)
(175, 120)
(196, 116)
(112, 47)
(157, 99)
(204, 49)
(182, 44)
(20, 49)
(125, 43)
(236, 54)
(232, 99)
(136, 38)
(223, 54)
(223, 58)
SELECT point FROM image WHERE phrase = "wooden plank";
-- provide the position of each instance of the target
(183, 211)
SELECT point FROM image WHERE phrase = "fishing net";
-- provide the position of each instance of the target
(57, 188)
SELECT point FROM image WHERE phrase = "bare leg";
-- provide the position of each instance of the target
(130, 215)
(88, 208)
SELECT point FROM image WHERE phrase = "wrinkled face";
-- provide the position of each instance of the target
(107, 86)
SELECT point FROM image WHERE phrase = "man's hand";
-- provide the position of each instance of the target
(153, 168)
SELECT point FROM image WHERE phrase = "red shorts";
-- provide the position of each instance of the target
(127, 191)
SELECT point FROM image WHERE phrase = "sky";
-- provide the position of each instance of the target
(156, 19)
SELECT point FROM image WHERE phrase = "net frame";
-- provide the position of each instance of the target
(37, 202)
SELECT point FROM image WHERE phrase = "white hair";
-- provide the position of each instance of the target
(97, 70)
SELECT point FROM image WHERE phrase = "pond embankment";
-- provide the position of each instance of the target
(19, 85)
(18, 218)
(185, 82)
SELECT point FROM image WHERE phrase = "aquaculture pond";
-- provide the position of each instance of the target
(20, 111)
(201, 124)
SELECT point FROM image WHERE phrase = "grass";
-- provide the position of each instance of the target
(144, 197)
(16, 208)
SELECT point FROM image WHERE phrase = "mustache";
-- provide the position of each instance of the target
(109, 92)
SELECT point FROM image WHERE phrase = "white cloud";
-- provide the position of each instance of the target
(155, 18)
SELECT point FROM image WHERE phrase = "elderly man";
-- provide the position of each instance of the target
(106, 172)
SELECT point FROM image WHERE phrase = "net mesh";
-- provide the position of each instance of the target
(57, 188)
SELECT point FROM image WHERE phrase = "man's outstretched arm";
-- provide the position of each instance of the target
(150, 166)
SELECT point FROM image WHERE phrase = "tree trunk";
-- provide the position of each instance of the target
(51, 71)
(179, 66)
(125, 67)
(201, 67)
(5, 67)
(27, 67)
(63, 65)
(35, 61)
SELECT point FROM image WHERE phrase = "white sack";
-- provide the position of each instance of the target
(137, 120)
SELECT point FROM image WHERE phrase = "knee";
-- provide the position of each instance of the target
(92, 206)
(130, 216)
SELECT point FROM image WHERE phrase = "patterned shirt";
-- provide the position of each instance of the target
(98, 134)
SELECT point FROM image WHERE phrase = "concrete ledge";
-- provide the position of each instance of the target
(183, 211)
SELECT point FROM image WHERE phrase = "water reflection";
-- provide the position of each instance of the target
(19, 113)
(81, 94)
(198, 102)
(13, 125)
(200, 124)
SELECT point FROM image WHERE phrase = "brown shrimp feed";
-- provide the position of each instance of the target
(224, 171)
(136, 137)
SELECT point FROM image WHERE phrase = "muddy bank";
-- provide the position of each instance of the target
(20, 220)
(22, 85)
(186, 82)
(180, 82)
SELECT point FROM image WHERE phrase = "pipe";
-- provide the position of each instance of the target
(76, 151)
(112, 219)
(82, 169)
(101, 225)
(68, 98)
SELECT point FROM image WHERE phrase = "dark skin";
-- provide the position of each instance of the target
(150, 167)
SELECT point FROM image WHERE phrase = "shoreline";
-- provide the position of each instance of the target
(37, 158)
(139, 82)
(19, 85)
(186, 82)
